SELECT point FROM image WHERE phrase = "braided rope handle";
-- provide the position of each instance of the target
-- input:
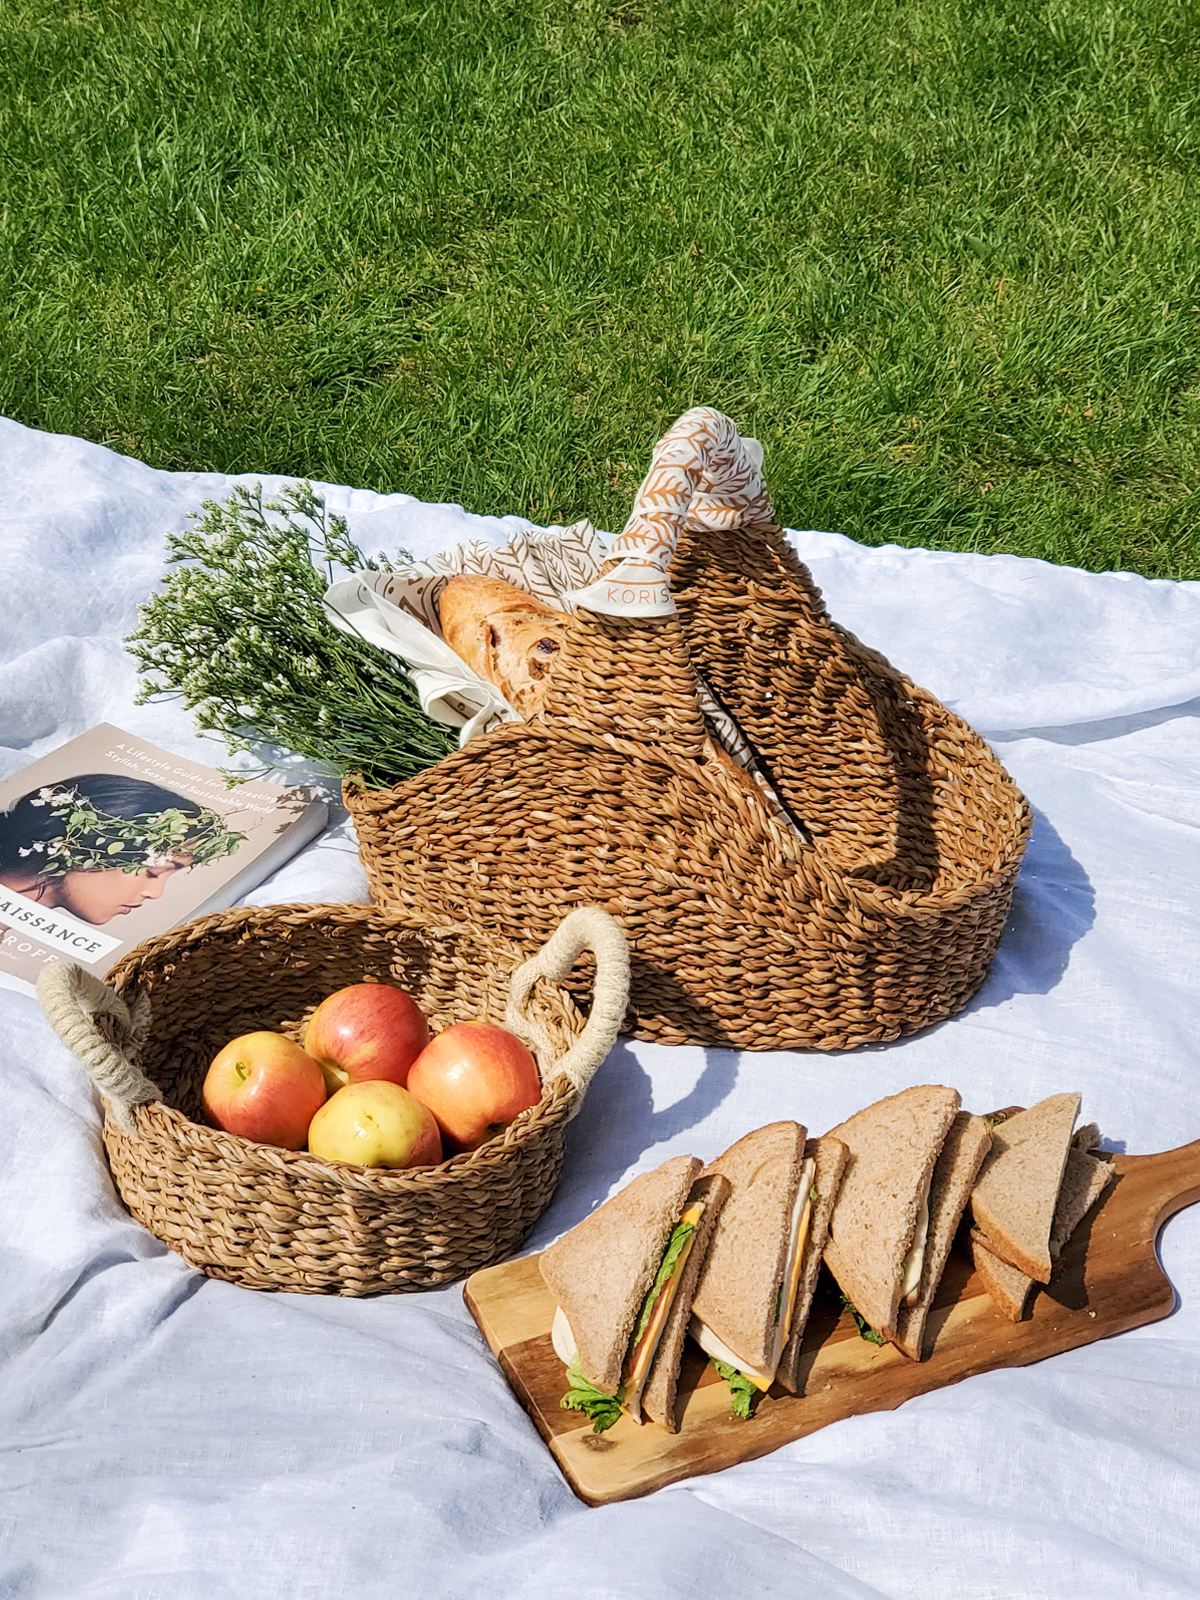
(587, 928)
(72, 999)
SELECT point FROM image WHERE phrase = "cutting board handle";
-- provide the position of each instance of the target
(1161, 1184)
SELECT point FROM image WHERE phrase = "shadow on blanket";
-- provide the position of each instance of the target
(1053, 907)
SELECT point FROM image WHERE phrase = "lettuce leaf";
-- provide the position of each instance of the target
(865, 1330)
(583, 1395)
(742, 1393)
(680, 1235)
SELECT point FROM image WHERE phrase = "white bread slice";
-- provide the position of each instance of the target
(894, 1145)
(830, 1156)
(737, 1297)
(601, 1272)
(1084, 1181)
(1017, 1190)
(958, 1163)
(1086, 1138)
(658, 1397)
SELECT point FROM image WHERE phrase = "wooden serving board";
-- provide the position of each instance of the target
(1108, 1280)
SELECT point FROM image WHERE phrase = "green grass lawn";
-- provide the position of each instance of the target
(942, 257)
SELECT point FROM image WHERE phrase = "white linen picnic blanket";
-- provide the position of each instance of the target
(164, 1435)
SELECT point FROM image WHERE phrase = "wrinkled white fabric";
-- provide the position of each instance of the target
(164, 1435)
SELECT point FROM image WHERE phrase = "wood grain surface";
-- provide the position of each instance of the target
(1109, 1280)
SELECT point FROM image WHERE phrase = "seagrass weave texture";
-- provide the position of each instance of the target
(276, 1219)
(879, 916)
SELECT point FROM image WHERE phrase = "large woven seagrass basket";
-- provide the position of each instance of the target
(278, 1219)
(876, 916)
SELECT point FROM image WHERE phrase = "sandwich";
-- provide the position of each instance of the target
(508, 637)
(615, 1279)
(1085, 1178)
(1015, 1196)
(913, 1160)
(756, 1283)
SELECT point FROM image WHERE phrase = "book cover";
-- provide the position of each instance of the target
(109, 839)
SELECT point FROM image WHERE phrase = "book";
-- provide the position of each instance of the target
(109, 840)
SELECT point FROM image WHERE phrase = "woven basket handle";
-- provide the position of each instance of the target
(587, 928)
(72, 999)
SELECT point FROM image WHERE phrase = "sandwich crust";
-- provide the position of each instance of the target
(738, 1293)
(966, 1144)
(601, 1272)
(658, 1397)
(1017, 1190)
(830, 1156)
(894, 1146)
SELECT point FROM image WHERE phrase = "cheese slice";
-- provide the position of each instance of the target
(717, 1349)
(914, 1262)
(640, 1359)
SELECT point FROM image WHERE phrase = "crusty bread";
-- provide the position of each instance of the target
(830, 1156)
(1008, 1287)
(1084, 1181)
(504, 634)
(601, 1272)
(958, 1163)
(658, 1397)
(1017, 1189)
(1087, 1137)
(737, 1297)
(894, 1146)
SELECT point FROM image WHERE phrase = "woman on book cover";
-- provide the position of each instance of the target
(100, 845)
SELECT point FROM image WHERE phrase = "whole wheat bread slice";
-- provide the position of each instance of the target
(1084, 1181)
(738, 1293)
(658, 1397)
(830, 1156)
(894, 1146)
(1017, 1190)
(958, 1163)
(1008, 1287)
(601, 1272)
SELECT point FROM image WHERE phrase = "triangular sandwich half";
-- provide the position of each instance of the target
(958, 1163)
(829, 1157)
(1084, 1181)
(614, 1278)
(743, 1308)
(1016, 1192)
(658, 1397)
(879, 1230)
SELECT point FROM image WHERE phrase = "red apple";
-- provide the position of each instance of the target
(366, 1032)
(264, 1087)
(476, 1079)
(375, 1124)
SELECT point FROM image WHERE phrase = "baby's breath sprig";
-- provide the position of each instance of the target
(241, 634)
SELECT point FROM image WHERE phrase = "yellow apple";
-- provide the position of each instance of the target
(375, 1124)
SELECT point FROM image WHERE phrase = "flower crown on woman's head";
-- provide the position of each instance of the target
(94, 840)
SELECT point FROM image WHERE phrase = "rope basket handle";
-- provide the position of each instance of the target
(72, 998)
(587, 928)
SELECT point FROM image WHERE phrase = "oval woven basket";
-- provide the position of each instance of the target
(277, 1219)
(861, 895)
